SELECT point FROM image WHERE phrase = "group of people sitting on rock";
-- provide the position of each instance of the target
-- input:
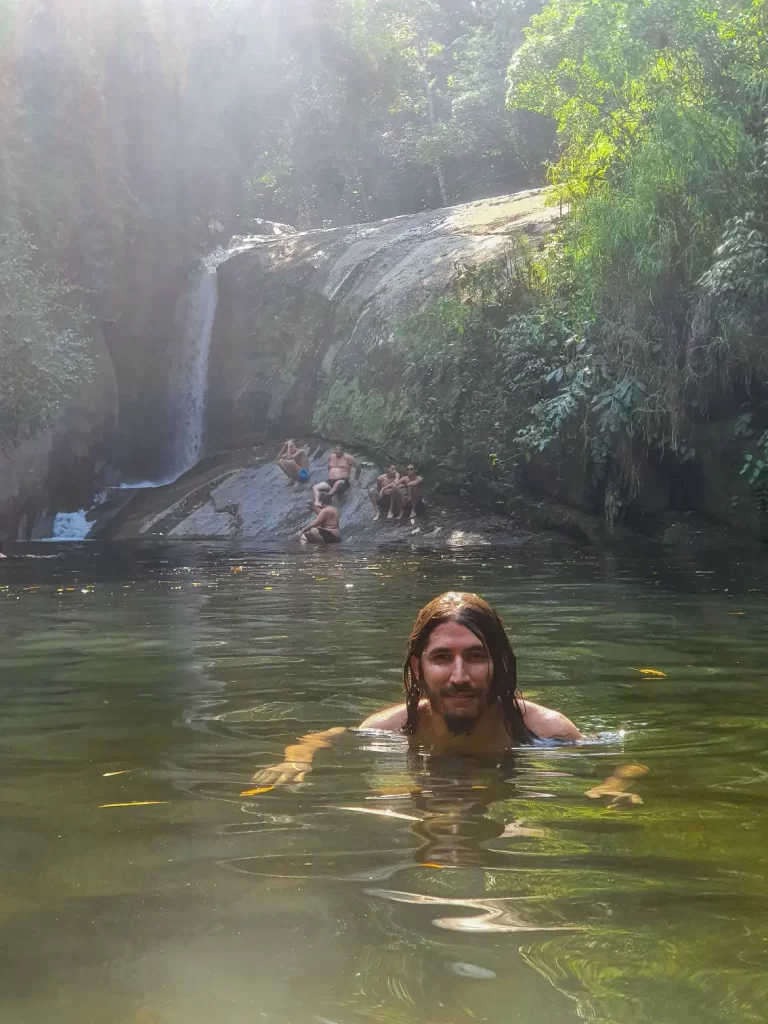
(398, 496)
(395, 495)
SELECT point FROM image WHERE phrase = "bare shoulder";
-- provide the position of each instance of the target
(390, 719)
(548, 724)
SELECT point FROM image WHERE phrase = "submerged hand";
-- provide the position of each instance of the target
(280, 774)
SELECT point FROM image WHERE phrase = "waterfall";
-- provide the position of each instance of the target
(70, 526)
(189, 370)
(189, 374)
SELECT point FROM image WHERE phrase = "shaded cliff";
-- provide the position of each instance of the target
(61, 467)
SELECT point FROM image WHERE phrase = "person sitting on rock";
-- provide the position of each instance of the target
(324, 528)
(294, 462)
(386, 497)
(412, 487)
(340, 466)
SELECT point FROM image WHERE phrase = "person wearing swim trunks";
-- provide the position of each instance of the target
(324, 528)
(412, 486)
(386, 496)
(340, 467)
(294, 462)
(461, 693)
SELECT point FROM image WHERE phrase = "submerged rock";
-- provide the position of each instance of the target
(473, 971)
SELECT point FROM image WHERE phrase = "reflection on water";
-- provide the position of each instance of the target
(141, 688)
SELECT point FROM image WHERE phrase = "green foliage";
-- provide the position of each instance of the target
(43, 346)
(657, 274)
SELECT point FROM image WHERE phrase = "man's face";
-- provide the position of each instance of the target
(411, 471)
(338, 451)
(455, 673)
(392, 472)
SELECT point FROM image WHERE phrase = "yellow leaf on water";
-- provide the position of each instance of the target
(106, 775)
(257, 791)
(237, 568)
(737, 613)
(267, 588)
(652, 673)
(136, 803)
(429, 864)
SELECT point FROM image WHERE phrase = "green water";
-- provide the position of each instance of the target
(500, 893)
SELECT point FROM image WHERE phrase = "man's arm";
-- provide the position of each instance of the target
(354, 464)
(548, 724)
(319, 520)
(298, 758)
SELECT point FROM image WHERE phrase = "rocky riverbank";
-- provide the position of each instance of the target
(242, 495)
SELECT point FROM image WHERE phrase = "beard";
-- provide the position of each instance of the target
(457, 724)
(460, 725)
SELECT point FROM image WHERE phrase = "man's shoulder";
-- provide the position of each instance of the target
(390, 719)
(548, 724)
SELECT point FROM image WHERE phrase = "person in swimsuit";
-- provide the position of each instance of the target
(412, 488)
(461, 693)
(324, 528)
(340, 466)
(386, 495)
(294, 462)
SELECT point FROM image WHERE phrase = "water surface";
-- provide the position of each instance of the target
(476, 891)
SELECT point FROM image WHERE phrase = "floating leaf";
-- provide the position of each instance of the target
(429, 864)
(136, 803)
(652, 673)
(106, 775)
(257, 791)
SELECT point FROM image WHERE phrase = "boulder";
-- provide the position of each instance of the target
(293, 308)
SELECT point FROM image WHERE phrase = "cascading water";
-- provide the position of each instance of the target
(70, 526)
(189, 370)
(189, 374)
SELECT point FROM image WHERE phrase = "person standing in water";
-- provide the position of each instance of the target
(386, 496)
(340, 466)
(324, 529)
(461, 693)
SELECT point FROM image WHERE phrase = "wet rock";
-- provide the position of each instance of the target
(244, 496)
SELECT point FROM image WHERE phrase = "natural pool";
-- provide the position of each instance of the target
(486, 893)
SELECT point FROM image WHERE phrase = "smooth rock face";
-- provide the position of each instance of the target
(293, 306)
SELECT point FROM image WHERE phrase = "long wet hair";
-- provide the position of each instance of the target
(478, 617)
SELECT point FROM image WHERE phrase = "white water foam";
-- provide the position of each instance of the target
(189, 371)
(70, 526)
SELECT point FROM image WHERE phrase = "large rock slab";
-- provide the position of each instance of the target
(242, 496)
(292, 307)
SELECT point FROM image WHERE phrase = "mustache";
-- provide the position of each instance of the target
(457, 691)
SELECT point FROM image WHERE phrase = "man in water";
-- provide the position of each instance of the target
(461, 693)
(324, 529)
(386, 496)
(412, 488)
(340, 466)
(294, 462)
